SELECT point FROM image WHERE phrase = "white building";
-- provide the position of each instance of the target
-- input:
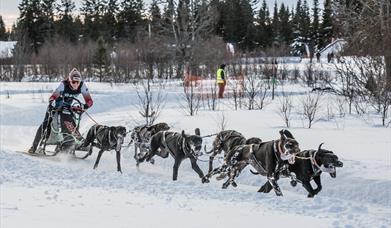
(334, 47)
(6, 48)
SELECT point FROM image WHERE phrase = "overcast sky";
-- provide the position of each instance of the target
(10, 12)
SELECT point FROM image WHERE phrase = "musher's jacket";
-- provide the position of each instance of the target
(64, 91)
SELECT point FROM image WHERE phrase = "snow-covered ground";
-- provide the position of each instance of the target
(65, 192)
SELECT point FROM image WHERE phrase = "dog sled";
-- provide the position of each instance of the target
(61, 134)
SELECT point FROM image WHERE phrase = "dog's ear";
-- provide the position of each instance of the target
(197, 131)
(288, 134)
(282, 135)
(123, 129)
(113, 129)
(151, 127)
(165, 126)
(183, 133)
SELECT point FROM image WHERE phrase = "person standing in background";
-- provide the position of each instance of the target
(221, 80)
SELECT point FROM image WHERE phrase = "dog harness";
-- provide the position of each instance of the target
(256, 163)
(166, 145)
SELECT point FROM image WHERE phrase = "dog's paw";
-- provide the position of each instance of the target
(293, 183)
(225, 186)
(279, 193)
(310, 195)
(152, 161)
(205, 180)
(262, 189)
(234, 184)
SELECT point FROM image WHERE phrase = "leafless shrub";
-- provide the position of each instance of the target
(191, 98)
(262, 99)
(308, 76)
(362, 81)
(296, 74)
(341, 106)
(236, 87)
(285, 108)
(372, 84)
(343, 83)
(330, 108)
(310, 107)
(283, 72)
(251, 85)
(222, 122)
(150, 101)
(324, 78)
(255, 92)
(211, 97)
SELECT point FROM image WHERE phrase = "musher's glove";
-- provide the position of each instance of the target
(77, 109)
(85, 106)
(51, 105)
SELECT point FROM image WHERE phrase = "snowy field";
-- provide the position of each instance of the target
(65, 192)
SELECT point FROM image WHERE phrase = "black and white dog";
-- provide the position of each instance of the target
(141, 136)
(180, 146)
(224, 141)
(254, 140)
(267, 158)
(105, 138)
(309, 166)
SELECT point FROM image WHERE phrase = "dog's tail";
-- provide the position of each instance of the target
(253, 172)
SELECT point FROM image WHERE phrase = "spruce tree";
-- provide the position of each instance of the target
(109, 20)
(167, 17)
(155, 15)
(327, 25)
(285, 28)
(276, 25)
(3, 33)
(65, 27)
(238, 23)
(130, 19)
(301, 33)
(315, 34)
(30, 25)
(217, 7)
(247, 29)
(232, 21)
(305, 20)
(100, 57)
(93, 11)
(264, 29)
(47, 18)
